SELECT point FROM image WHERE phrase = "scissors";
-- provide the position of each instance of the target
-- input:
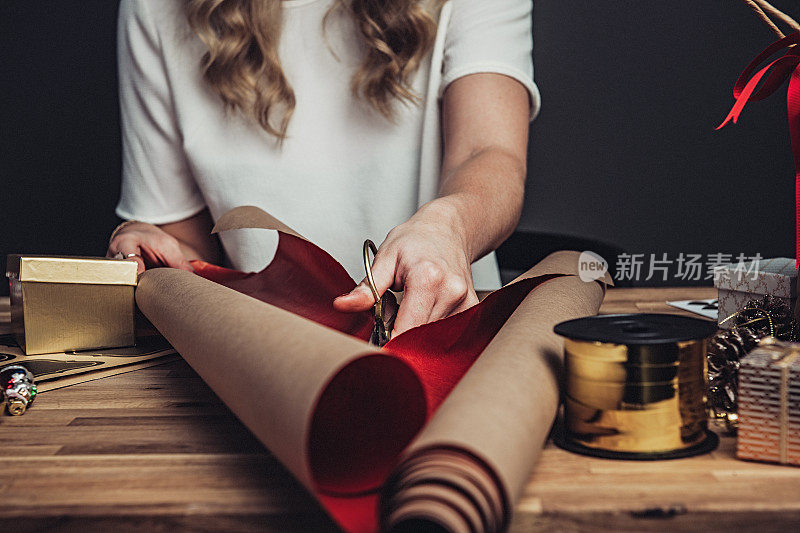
(382, 331)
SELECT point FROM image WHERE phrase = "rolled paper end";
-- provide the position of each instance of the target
(426, 515)
(443, 488)
(17, 407)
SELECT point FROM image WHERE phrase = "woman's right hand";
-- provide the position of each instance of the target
(149, 246)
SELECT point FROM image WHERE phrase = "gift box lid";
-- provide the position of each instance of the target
(776, 276)
(70, 269)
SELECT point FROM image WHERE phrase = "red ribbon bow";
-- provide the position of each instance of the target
(786, 66)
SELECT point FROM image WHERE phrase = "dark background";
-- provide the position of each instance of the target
(624, 152)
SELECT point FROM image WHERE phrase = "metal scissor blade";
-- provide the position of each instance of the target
(379, 335)
(382, 331)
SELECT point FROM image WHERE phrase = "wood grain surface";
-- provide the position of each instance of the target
(155, 450)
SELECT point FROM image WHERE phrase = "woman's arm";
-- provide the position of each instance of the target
(157, 182)
(485, 128)
(172, 245)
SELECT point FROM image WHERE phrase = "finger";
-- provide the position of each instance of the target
(361, 297)
(166, 254)
(126, 248)
(415, 309)
(113, 249)
(453, 295)
(151, 256)
(172, 256)
(469, 301)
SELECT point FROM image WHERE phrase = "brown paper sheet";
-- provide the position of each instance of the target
(62, 369)
(248, 217)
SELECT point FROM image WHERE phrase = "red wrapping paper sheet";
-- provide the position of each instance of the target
(304, 280)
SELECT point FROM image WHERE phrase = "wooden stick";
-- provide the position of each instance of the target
(764, 17)
(776, 13)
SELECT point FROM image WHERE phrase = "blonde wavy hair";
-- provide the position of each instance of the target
(243, 68)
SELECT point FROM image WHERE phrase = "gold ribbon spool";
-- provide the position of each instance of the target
(635, 386)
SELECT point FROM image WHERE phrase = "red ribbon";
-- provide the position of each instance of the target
(786, 66)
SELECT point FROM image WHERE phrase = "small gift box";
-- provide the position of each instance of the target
(769, 403)
(739, 284)
(71, 303)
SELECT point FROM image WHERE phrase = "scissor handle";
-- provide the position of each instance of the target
(378, 309)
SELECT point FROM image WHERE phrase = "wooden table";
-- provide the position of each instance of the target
(156, 450)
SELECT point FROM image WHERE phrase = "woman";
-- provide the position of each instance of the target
(344, 119)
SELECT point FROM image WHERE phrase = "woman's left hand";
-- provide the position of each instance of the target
(428, 259)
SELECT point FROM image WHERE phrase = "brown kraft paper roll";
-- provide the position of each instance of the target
(494, 424)
(289, 380)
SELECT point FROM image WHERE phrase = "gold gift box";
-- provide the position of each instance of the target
(71, 303)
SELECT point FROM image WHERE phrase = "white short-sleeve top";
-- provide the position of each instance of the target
(345, 173)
